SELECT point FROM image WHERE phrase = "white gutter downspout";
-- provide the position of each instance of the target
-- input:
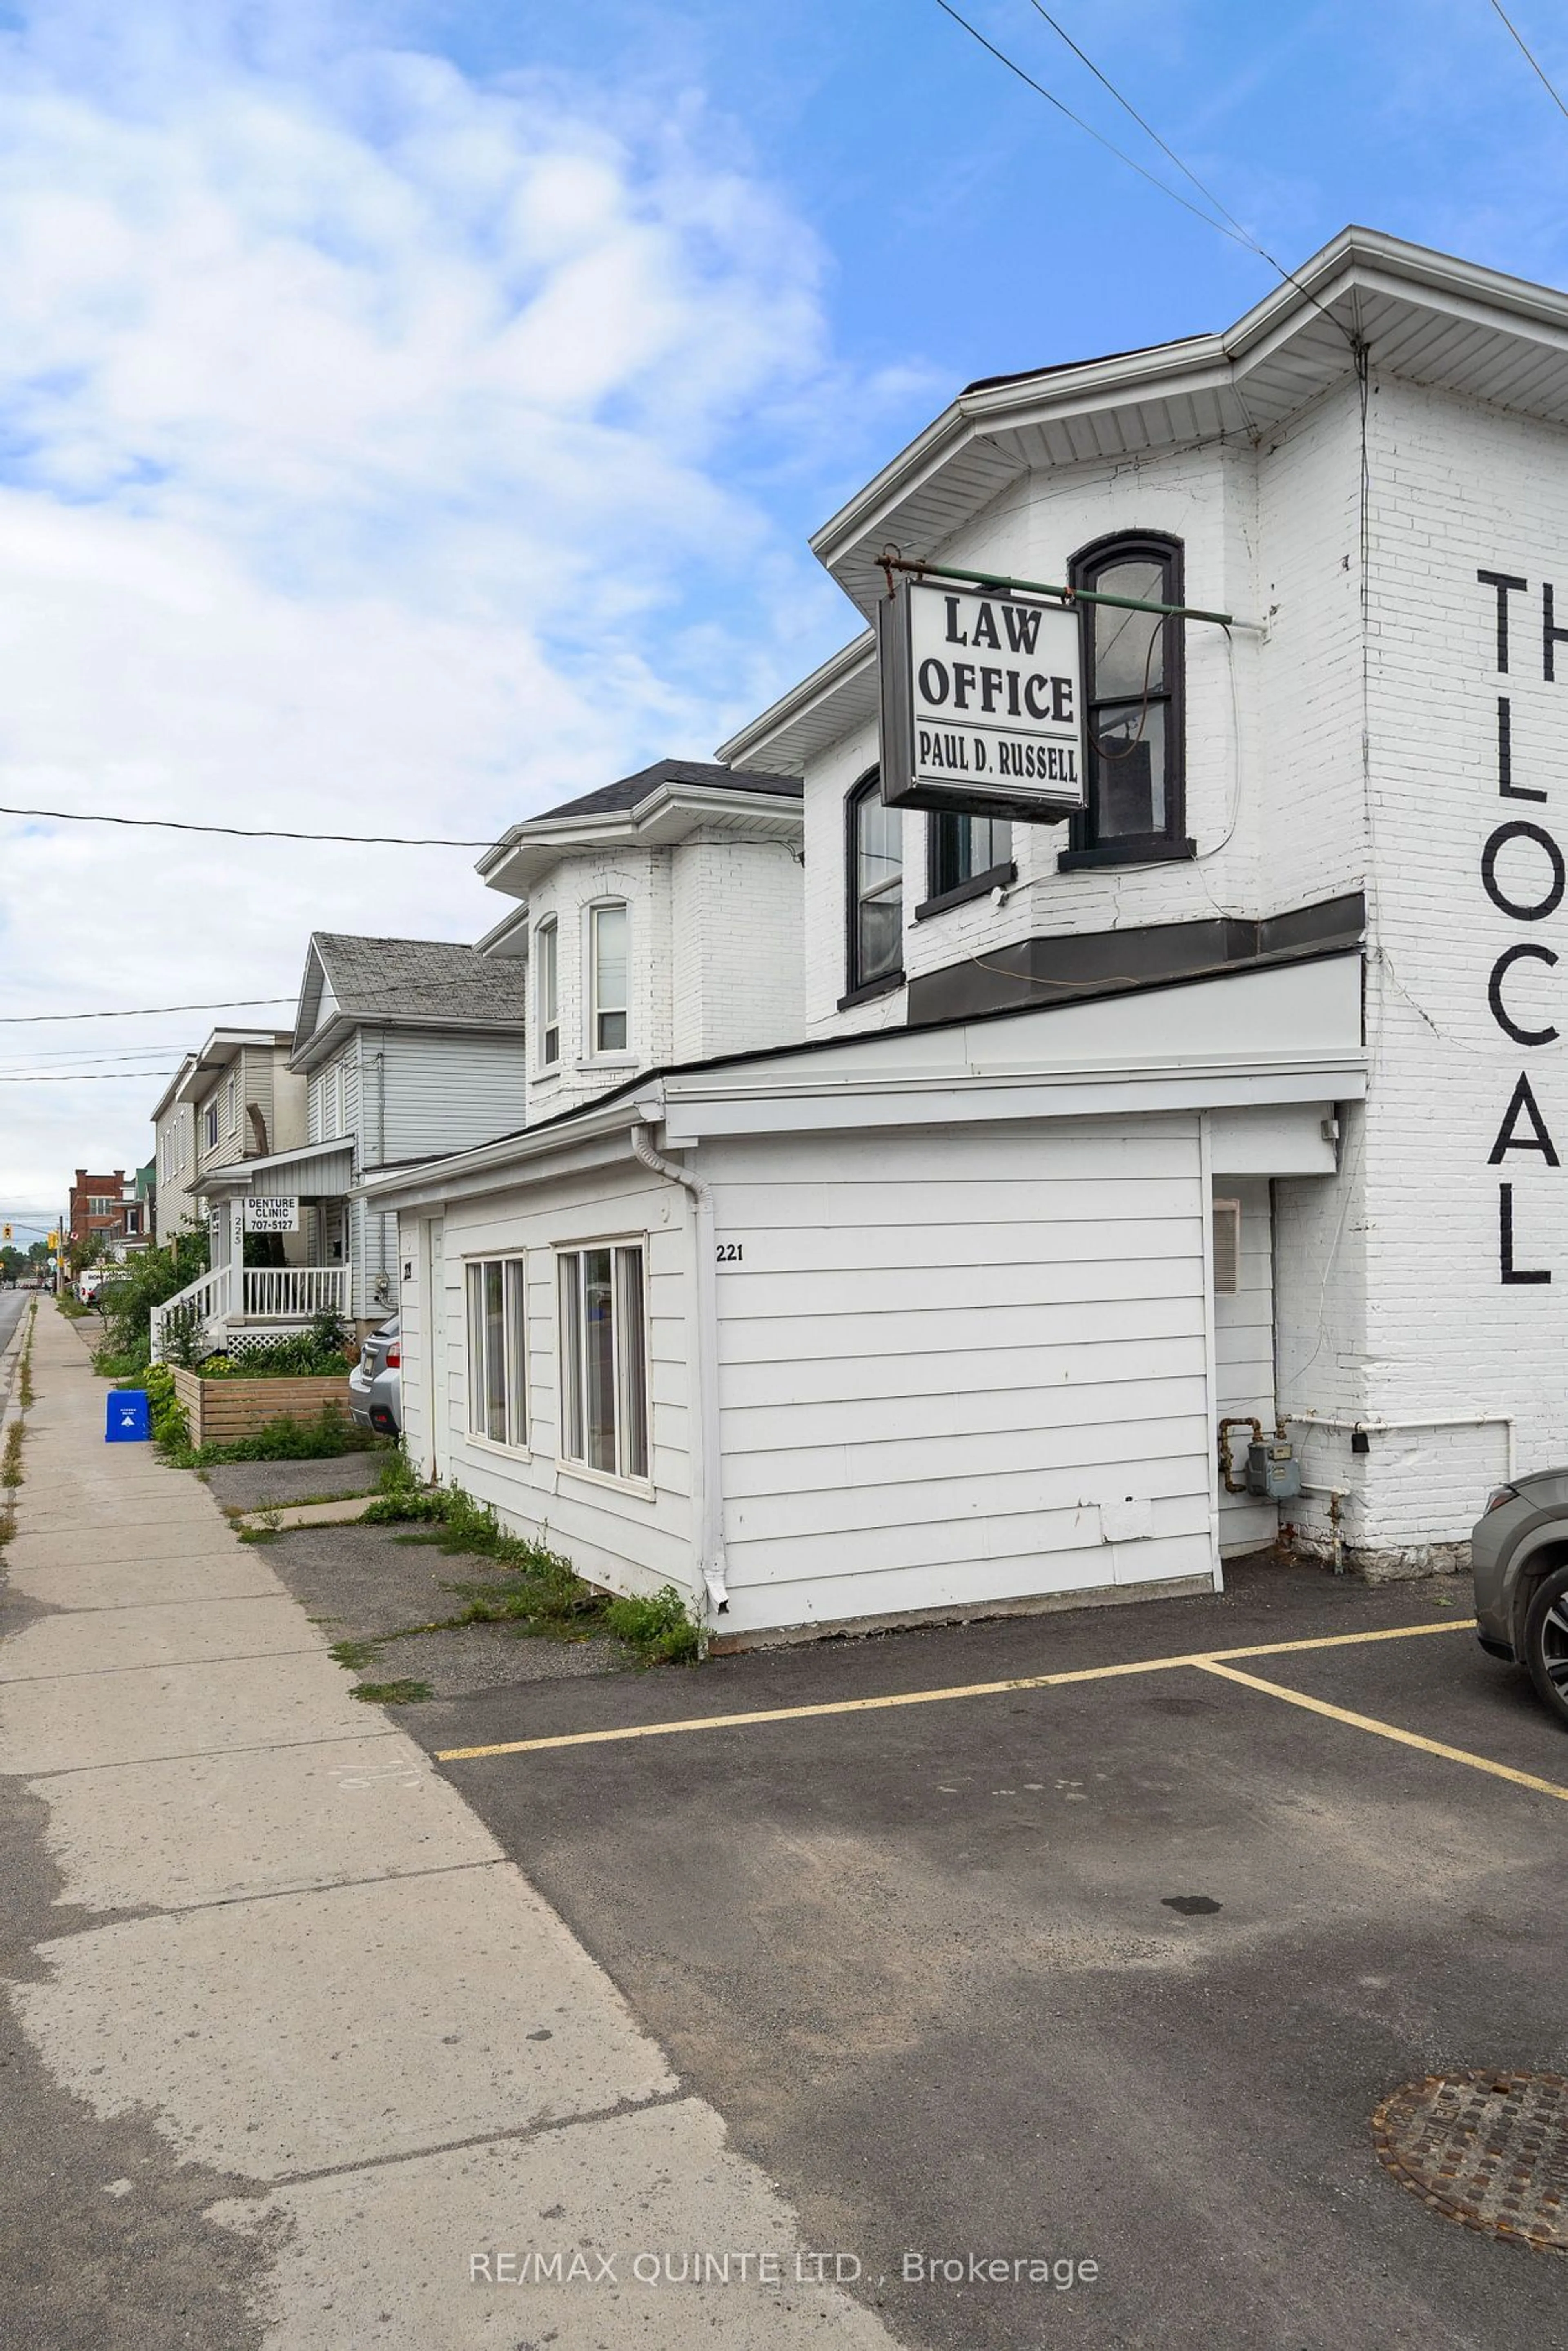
(710, 1499)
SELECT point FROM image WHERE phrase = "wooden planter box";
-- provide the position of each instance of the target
(222, 1410)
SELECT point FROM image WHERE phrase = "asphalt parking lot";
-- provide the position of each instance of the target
(1111, 1971)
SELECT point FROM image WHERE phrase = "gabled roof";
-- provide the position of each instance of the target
(393, 983)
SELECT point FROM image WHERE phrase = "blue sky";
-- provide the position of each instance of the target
(412, 414)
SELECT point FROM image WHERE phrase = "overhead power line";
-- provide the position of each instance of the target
(86, 1078)
(141, 1011)
(1536, 66)
(1236, 237)
(253, 833)
(1227, 227)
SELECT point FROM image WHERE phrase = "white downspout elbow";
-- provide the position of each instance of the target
(710, 1483)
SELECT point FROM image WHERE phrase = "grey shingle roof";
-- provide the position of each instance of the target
(631, 789)
(421, 980)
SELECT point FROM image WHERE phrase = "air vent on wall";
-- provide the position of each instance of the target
(1227, 1248)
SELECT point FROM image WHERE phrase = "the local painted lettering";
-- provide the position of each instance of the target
(1524, 875)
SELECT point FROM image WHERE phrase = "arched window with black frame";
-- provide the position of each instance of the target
(1134, 714)
(873, 890)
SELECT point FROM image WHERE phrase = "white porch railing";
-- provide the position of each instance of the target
(293, 1293)
(203, 1301)
(266, 1293)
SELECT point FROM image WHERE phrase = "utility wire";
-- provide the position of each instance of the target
(87, 1078)
(142, 1012)
(254, 832)
(1149, 132)
(1535, 63)
(1236, 237)
(1229, 226)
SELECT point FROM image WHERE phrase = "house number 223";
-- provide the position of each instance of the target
(730, 1252)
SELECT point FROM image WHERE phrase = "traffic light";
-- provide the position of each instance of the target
(5, 1232)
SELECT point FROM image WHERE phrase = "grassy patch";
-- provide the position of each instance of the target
(535, 1591)
(392, 1693)
(71, 1306)
(11, 1459)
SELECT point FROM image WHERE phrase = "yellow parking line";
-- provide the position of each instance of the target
(936, 1697)
(1385, 1729)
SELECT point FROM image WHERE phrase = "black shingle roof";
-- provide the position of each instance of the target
(631, 789)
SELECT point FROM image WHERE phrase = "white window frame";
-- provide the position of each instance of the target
(596, 1010)
(631, 1368)
(547, 999)
(513, 1268)
(212, 1122)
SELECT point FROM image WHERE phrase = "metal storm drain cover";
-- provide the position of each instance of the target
(1488, 2149)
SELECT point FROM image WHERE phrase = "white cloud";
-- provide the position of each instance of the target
(368, 459)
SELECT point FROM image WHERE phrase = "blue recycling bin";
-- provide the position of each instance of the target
(129, 1418)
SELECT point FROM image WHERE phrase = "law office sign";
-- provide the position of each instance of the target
(981, 696)
(271, 1212)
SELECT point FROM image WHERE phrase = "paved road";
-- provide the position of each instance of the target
(14, 1303)
(923, 1959)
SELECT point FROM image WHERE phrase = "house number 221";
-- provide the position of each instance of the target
(730, 1252)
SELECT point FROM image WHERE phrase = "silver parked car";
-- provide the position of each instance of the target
(1519, 1552)
(375, 1384)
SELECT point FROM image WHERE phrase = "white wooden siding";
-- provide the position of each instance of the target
(628, 1538)
(444, 1092)
(1244, 1355)
(944, 1355)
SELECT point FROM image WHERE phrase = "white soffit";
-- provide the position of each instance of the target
(814, 715)
(1287, 1033)
(1422, 315)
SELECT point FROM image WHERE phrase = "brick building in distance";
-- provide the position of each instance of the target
(99, 1211)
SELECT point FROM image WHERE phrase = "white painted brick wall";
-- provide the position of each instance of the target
(717, 962)
(1272, 716)
(738, 970)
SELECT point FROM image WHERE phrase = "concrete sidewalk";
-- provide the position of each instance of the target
(361, 2064)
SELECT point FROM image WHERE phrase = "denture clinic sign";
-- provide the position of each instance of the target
(981, 701)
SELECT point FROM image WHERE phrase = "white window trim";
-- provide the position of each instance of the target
(210, 1123)
(618, 1055)
(544, 1062)
(568, 1463)
(510, 1449)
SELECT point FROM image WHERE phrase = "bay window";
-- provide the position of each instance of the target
(964, 857)
(1133, 714)
(873, 890)
(609, 979)
(547, 992)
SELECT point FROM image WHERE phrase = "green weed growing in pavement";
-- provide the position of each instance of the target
(355, 1655)
(392, 1693)
(660, 1625)
(11, 1459)
(536, 1590)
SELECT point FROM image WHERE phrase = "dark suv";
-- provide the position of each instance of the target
(1519, 1551)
